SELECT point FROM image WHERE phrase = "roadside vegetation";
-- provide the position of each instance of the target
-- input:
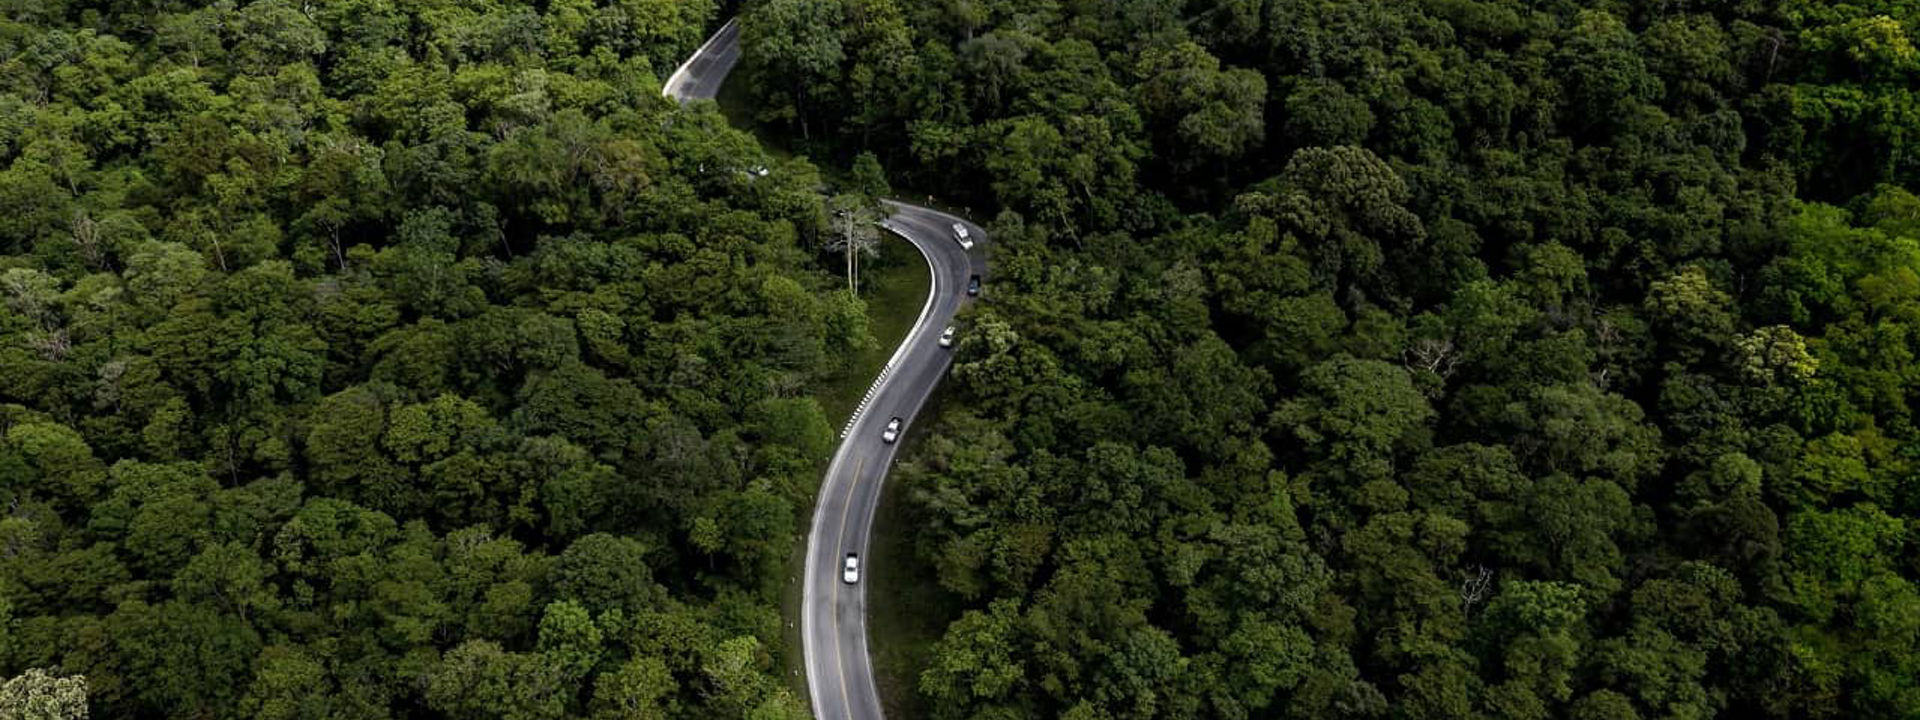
(894, 284)
(913, 609)
(1435, 359)
(373, 360)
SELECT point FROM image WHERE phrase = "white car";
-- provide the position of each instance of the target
(946, 338)
(892, 432)
(850, 570)
(960, 234)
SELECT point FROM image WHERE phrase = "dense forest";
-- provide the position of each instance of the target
(365, 359)
(1355, 359)
(1407, 359)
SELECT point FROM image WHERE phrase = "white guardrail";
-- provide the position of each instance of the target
(932, 288)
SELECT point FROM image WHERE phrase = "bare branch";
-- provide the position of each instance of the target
(1475, 588)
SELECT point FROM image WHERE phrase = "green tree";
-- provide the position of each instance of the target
(868, 179)
(796, 50)
(37, 695)
(603, 572)
(1355, 412)
(1210, 113)
(290, 685)
(1322, 113)
(974, 664)
(641, 689)
(569, 640)
(479, 680)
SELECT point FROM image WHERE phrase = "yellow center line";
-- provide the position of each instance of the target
(841, 542)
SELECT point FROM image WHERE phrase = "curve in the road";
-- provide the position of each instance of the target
(833, 613)
(700, 76)
(885, 370)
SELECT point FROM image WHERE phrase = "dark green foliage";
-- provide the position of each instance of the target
(1454, 358)
(1459, 358)
(376, 360)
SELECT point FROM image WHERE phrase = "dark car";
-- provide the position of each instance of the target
(973, 285)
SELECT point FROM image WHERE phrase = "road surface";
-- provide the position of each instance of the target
(700, 76)
(834, 614)
(834, 617)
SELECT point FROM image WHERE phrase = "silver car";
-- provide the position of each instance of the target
(960, 234)
(892, 432)
(946, 338)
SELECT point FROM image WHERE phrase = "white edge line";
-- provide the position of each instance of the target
(866, 649)
(666, 88)
(933, 288)
(833, 470)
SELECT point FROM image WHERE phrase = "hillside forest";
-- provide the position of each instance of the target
(1339, 358)
(365, 359)
(1406, 359)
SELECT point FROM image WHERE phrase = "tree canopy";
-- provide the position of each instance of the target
(1433, 359)
(364, 360)
(1455, 358)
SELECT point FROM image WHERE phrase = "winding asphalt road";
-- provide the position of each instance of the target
(700, 76)
(834, 613)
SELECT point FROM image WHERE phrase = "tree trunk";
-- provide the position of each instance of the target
(339, 255)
